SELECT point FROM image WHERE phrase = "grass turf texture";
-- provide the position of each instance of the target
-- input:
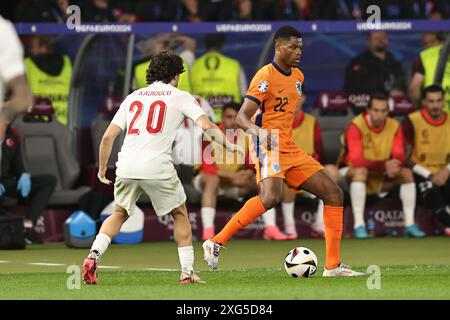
(249, 269)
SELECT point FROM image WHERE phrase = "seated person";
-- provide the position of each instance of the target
(427, 135)
(374, 163)
(15, 182)
(221, 177)
(307, 135)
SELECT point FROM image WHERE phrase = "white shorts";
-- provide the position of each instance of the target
(165, 194)
(230, 192)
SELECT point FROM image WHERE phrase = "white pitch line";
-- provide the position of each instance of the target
(108, 267)
(160, 269)
(47, 264)
(3, 261)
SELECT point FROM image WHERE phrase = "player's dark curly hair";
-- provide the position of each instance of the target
(164, 67)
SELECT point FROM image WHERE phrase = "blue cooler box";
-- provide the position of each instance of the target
(132, 230)
(79, 230)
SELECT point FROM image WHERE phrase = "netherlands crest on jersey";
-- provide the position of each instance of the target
(263, 86)
(298, 86)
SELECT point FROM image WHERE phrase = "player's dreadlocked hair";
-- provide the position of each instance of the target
(164, 67)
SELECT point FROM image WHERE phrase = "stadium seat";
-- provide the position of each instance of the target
(46, 149)
(99, 125)
(333, 111)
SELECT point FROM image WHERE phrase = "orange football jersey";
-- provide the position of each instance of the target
(278, 96)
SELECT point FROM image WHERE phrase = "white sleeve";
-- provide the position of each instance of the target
(120, 118)
(189, 106)
(11, 52)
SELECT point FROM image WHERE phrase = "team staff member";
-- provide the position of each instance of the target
(427, 134)
(374, 163)
(375, 70)
(424, 73)
(166, 42)
(49, 75)
(15, 182)
(216, 77)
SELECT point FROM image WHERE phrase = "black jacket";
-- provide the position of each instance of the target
(11, 162)
(368, 74)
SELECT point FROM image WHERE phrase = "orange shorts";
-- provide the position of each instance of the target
(294, 167)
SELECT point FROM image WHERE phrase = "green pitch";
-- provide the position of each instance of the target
(250, 269)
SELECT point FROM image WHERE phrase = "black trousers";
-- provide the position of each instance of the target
(42, 187)
(435, 198)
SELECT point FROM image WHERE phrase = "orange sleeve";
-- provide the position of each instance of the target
(258, 91)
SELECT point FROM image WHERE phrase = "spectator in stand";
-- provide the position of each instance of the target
(374, 164)
(336, 9)
(98, 11)
(34, 191)
(42, 11)
(266, 10)
(148, 10)
(375, 70)
(244, 9)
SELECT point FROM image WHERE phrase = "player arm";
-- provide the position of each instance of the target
(355, 150)
(214, 134)
(106, 145)
(408, 136)
(398, 150)
(21, 98)
(245, 115)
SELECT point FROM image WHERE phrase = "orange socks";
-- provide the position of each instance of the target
(333, 218)
(251, 210)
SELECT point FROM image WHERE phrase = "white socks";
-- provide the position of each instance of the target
(186, 256)
(269, 218)
(408, 198)
(100, 244)
(358, 199)
(208, 216)
(288, 217)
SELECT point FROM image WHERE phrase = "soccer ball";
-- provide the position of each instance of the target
(300, 262)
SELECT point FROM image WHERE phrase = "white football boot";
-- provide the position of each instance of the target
(342, 271)
(211, 251)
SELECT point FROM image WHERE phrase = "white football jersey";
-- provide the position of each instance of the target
(11, 55)
(151, 117)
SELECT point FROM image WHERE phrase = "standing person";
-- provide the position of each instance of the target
(216, 77)
(425, 70)
(274, 95)
(49, 74)
(12, 71)
(151, 117)
(375, 70)
(375, 163)
(427, 135)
